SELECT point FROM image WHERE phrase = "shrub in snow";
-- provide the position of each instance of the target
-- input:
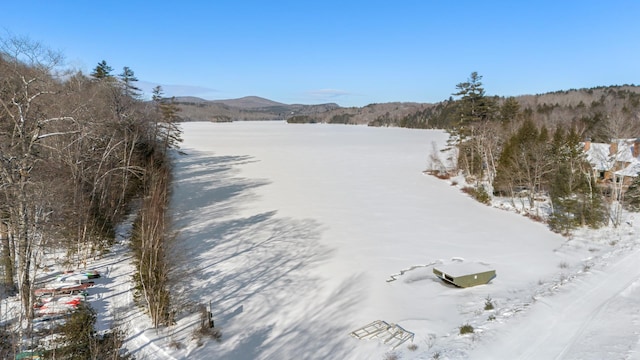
(77, 338)
(488, 304)
(206, 327)
(175, 344)
(466, 329)
(479, 193)
(391, 356)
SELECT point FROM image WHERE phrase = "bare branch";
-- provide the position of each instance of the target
(57, 119)
(56, 134)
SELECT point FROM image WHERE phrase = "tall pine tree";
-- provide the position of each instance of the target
(474, 110)
(632, 196)
(474, 105)
(128, 79)
(574, 194)
(167, 130)
(102, 71)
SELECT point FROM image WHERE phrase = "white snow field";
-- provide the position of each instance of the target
(294, 234)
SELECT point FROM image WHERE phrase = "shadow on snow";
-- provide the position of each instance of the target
(252, 269)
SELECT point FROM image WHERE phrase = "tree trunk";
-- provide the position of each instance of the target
(24, 260)
(7, 259)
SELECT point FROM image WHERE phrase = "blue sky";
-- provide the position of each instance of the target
(350, 52)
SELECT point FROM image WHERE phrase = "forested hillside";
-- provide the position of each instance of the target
(535, 147)
(76, 151)
(602, 112)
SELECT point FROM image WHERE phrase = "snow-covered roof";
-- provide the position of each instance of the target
(598, 156)
(607, 156)
(462, 269)
(632, 170)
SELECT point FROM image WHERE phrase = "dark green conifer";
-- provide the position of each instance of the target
(102, 71)
(128, 79)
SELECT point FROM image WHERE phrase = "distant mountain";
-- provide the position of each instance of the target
(249, 102)
(551, 109)
(190, 99)
(257, 108)
(246, 108)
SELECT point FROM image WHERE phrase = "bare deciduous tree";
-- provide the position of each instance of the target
(27, 115)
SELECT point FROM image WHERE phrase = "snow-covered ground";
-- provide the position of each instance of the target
(294, 234)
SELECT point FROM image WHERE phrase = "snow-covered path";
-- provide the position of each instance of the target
(579, 321)
(112, 297)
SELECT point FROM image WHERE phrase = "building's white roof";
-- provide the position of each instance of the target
(600, 157)
(632, 170)
(457, 269)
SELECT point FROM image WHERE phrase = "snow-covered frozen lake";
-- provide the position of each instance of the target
(291, 233)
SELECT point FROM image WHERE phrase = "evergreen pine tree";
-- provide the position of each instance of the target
(632, 196)
(102, 71)
(573, 190)
(509, 111)
(128, 79)
(474, 105)
(473, 111)
(167, 130)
